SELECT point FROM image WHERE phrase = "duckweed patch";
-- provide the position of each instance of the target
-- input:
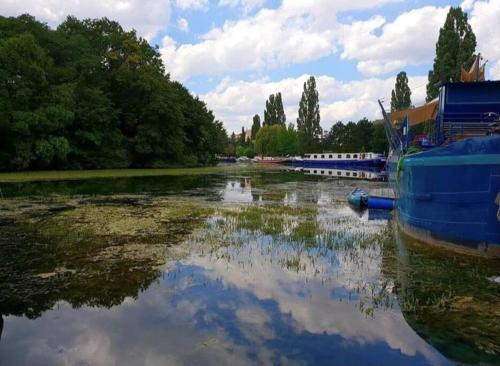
(92, 252)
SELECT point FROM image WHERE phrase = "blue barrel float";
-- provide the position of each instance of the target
(360, 200)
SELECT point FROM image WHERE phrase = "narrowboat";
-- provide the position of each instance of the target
(361, 159)
(447, 186)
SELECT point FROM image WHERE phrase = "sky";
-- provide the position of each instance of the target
(234, 53)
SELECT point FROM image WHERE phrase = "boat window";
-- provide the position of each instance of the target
(339, 156)
(315, 171)
(330, 173)
(315, 156)
(307, 156)
(355, 156)
(348, 156)
(339, 173)
(348, 174)
(322, 172)
(330, 156)
(354, 174)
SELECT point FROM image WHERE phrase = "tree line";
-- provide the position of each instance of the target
(454, 49)
(91, 95)
(273, 136)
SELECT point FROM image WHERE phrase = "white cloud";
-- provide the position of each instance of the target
(148, 17)
(484, 17)
(183, 24)
(296, 32)
(246, 5)
(192, 4)
(235, 101)
(401, 43)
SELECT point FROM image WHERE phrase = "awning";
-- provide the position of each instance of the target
(416, 115)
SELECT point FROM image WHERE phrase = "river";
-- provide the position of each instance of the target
(240, 267)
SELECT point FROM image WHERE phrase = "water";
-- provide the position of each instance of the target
(248, 267)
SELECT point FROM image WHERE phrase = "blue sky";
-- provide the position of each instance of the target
(234, 53)
(202, 21)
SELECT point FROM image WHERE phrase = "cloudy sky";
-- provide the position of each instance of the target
(234, 53)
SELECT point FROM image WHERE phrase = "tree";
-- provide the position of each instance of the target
(308, 122)
(255, 126)
(276, 140)
(455, 48)
(379, 143)
(401, 94)
(335, 138)
(243, 139)
(92, 95)
(288, 142)
(274, 114)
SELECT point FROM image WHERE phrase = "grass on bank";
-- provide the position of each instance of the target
(109, 173)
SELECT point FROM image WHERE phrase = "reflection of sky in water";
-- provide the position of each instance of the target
(214, 313)
(260, 300)
(237, 191)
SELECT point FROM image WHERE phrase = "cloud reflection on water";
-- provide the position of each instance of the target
(258, 299)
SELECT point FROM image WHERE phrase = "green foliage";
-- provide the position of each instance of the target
(308, 122)
(454, 49)
(274, 113)
(276, 140)
(379, 143)
(243, 136)
(91, 95)
(401, 94)
(356, 137)
(255, 126)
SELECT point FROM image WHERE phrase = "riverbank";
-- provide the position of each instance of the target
(37, 176)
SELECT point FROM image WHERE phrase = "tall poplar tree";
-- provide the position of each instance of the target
(274, 113)
(308, 122)
(255, 126)
(401, 94)
(454, 49)
(243, 136)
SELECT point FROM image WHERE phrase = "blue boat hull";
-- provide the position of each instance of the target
(449, 195)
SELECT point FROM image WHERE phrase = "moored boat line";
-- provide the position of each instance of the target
(342, 159)
(272, 160)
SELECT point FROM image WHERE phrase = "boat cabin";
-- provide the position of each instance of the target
(342, 156)
(468, 109)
